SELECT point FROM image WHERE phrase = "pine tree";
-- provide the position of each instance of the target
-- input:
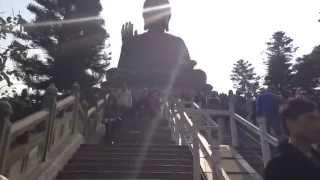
(307, 71)
(72, 34)
(279, 53)
(244, 78)
(13, 50)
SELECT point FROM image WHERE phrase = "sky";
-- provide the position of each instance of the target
(217, 33)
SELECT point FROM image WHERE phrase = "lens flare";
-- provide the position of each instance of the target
(60, 22)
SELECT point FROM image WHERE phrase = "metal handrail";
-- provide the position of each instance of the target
(271, 139)
(196, 119)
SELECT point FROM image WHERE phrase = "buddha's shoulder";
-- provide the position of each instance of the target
(157, 36)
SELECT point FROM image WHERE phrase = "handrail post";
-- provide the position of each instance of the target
(179, 122)
(5, 126)
(221, 130)
(265, 148)
(213, 137)
(233, 124)
(50, 103)
(169, 118)
(96, 116)
(173, 121)
(87, 124)
(195, 148)
(76, 106)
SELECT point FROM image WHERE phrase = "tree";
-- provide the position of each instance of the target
(279, 53)
(12, 50)
(72, 34)
(307, 71)
(244, 78)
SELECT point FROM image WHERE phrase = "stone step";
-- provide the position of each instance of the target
(134, 150)
(158, 140)
(131, 146)
(138, 134)
(153, 161)
(132, 153)
(129, 159)
(128, 167)
(123, 174)
(94, 155)
(114, 179)
(131, 163)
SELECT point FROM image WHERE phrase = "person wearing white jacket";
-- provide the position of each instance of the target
(124, 100)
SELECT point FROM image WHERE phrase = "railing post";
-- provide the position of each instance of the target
(168, 117)
(96, 117)
(87, 123)
(5, 126)
(50, 103)
(178, 122)
(221, 130)
(213, 137)
(265, 148)
(173, 118)
(195, 148)
(233, 124)
(76, 106)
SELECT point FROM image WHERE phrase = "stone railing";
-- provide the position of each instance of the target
(265, 139)
(223, 117)
(38, 146)
(204, 130)
(189, 126)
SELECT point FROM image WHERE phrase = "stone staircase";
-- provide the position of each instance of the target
(138, 149)
(250, 150)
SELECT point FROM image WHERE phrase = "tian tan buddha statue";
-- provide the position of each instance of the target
(156, 58)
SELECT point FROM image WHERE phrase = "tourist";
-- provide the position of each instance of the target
(155, 102)
(124, 101)
(267, 106)
(240, 104)
(249, 101)
(111, 114)
(300, 93)
(213, 101)
(143, 102)
(297, 159)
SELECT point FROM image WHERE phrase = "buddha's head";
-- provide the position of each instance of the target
(156, 14)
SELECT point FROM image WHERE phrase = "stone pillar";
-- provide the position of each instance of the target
(265, 148)
(221, 130)
(5, 126)
(50, 104)
(86, 124)
(175, 112)
(213, 140)
(233, 124)
(196, 153)
(76, 106)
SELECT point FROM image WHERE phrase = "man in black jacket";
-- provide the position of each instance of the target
(297, 159)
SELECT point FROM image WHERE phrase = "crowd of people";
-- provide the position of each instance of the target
(124, 104)
(266, 104)
(293, 118)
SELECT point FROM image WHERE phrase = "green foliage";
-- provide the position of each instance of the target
(16, 50)
(307, 71)
(244, 78)
(72, 34)
(279, 53)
